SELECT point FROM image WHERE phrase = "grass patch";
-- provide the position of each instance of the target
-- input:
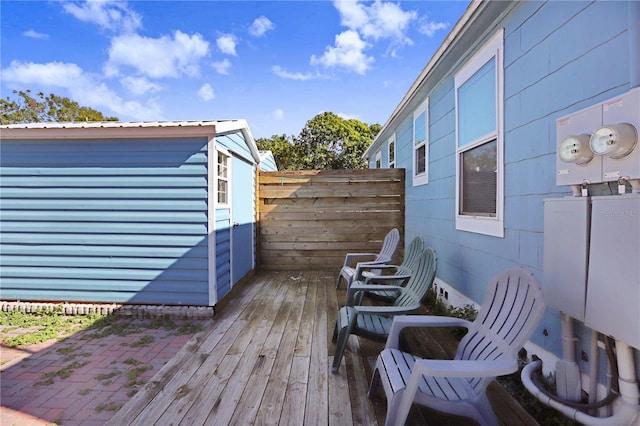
(42, 326)
(108, 406)
(134, 374)
(63, 373)
(143, 341)
(83, 392)
(106, 376)
(132, 361)
(19, 329)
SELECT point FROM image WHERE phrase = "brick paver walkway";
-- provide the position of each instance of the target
(79, 381)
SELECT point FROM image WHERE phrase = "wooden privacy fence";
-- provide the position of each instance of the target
(311, 219)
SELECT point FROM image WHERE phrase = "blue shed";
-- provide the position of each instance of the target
(481, 134)
(140, 212)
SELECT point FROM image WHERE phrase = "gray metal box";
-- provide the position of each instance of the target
(566, 249)
(613, 290)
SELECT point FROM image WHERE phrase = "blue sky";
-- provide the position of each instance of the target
(274, 63)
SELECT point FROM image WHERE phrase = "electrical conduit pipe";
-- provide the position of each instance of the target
(626, 412)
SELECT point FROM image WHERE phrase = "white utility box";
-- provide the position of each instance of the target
(566, 250)
(613, 288)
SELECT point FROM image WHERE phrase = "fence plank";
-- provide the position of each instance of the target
(309, 220)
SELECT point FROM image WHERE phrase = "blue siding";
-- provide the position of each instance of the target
(105, 220)
(223, 251)
(267, 162)
(235, 143)
(555, 63)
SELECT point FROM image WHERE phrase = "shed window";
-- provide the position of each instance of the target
(223, 178)
(479, 122)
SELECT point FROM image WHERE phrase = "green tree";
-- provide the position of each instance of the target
(285, 152)
(40, 108)
(330, 142)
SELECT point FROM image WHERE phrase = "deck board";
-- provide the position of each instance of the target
(266, 357)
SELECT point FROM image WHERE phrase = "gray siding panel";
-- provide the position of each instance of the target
(107, 220)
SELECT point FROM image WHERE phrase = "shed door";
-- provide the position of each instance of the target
(243, 218)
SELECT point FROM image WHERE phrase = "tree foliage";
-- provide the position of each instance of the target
(327, 141)
(45, 108)
(284, 150)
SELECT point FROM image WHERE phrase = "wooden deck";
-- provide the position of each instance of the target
(266, 357)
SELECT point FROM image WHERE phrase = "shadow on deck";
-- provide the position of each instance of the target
(266, 358)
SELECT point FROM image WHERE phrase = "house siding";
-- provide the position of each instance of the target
(104, 220)
(554, 63)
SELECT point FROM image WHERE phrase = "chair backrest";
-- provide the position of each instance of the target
(423, 275)
(412, 253)
(512, 307)
(389, 246)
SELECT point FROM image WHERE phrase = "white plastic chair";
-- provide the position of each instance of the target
(512, 307)
(353, 260)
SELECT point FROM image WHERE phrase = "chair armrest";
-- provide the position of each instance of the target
(357, 288)
(386, 310)
(352, 257)
(369, 266)
(464, 368)
(385, 278)
(400, 323)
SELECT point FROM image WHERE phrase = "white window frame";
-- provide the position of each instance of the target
(422, 178)
(378, 160)
(227, 178)
(494, 225)
(391, 151)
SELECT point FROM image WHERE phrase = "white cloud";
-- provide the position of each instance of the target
(227, 44)
(260, 26)
(277, 114)
(429, 28)
(347, 53)
(112, 15)
(35, 34)
(281, 72)
(366, 23)
(139, 85)
(206, 92)
(157, 57)
(346, 116)
(222, 67)
(378, 21)
(84, 88)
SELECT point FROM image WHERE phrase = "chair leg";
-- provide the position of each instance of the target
(344, 325)
(341, 345)
(375, 381)
(486, 415)
(335, 331)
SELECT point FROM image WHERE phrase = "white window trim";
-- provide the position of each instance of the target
(391, 145)
(493, 226)
(378, 161)
(422, 178)
(229, 171)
